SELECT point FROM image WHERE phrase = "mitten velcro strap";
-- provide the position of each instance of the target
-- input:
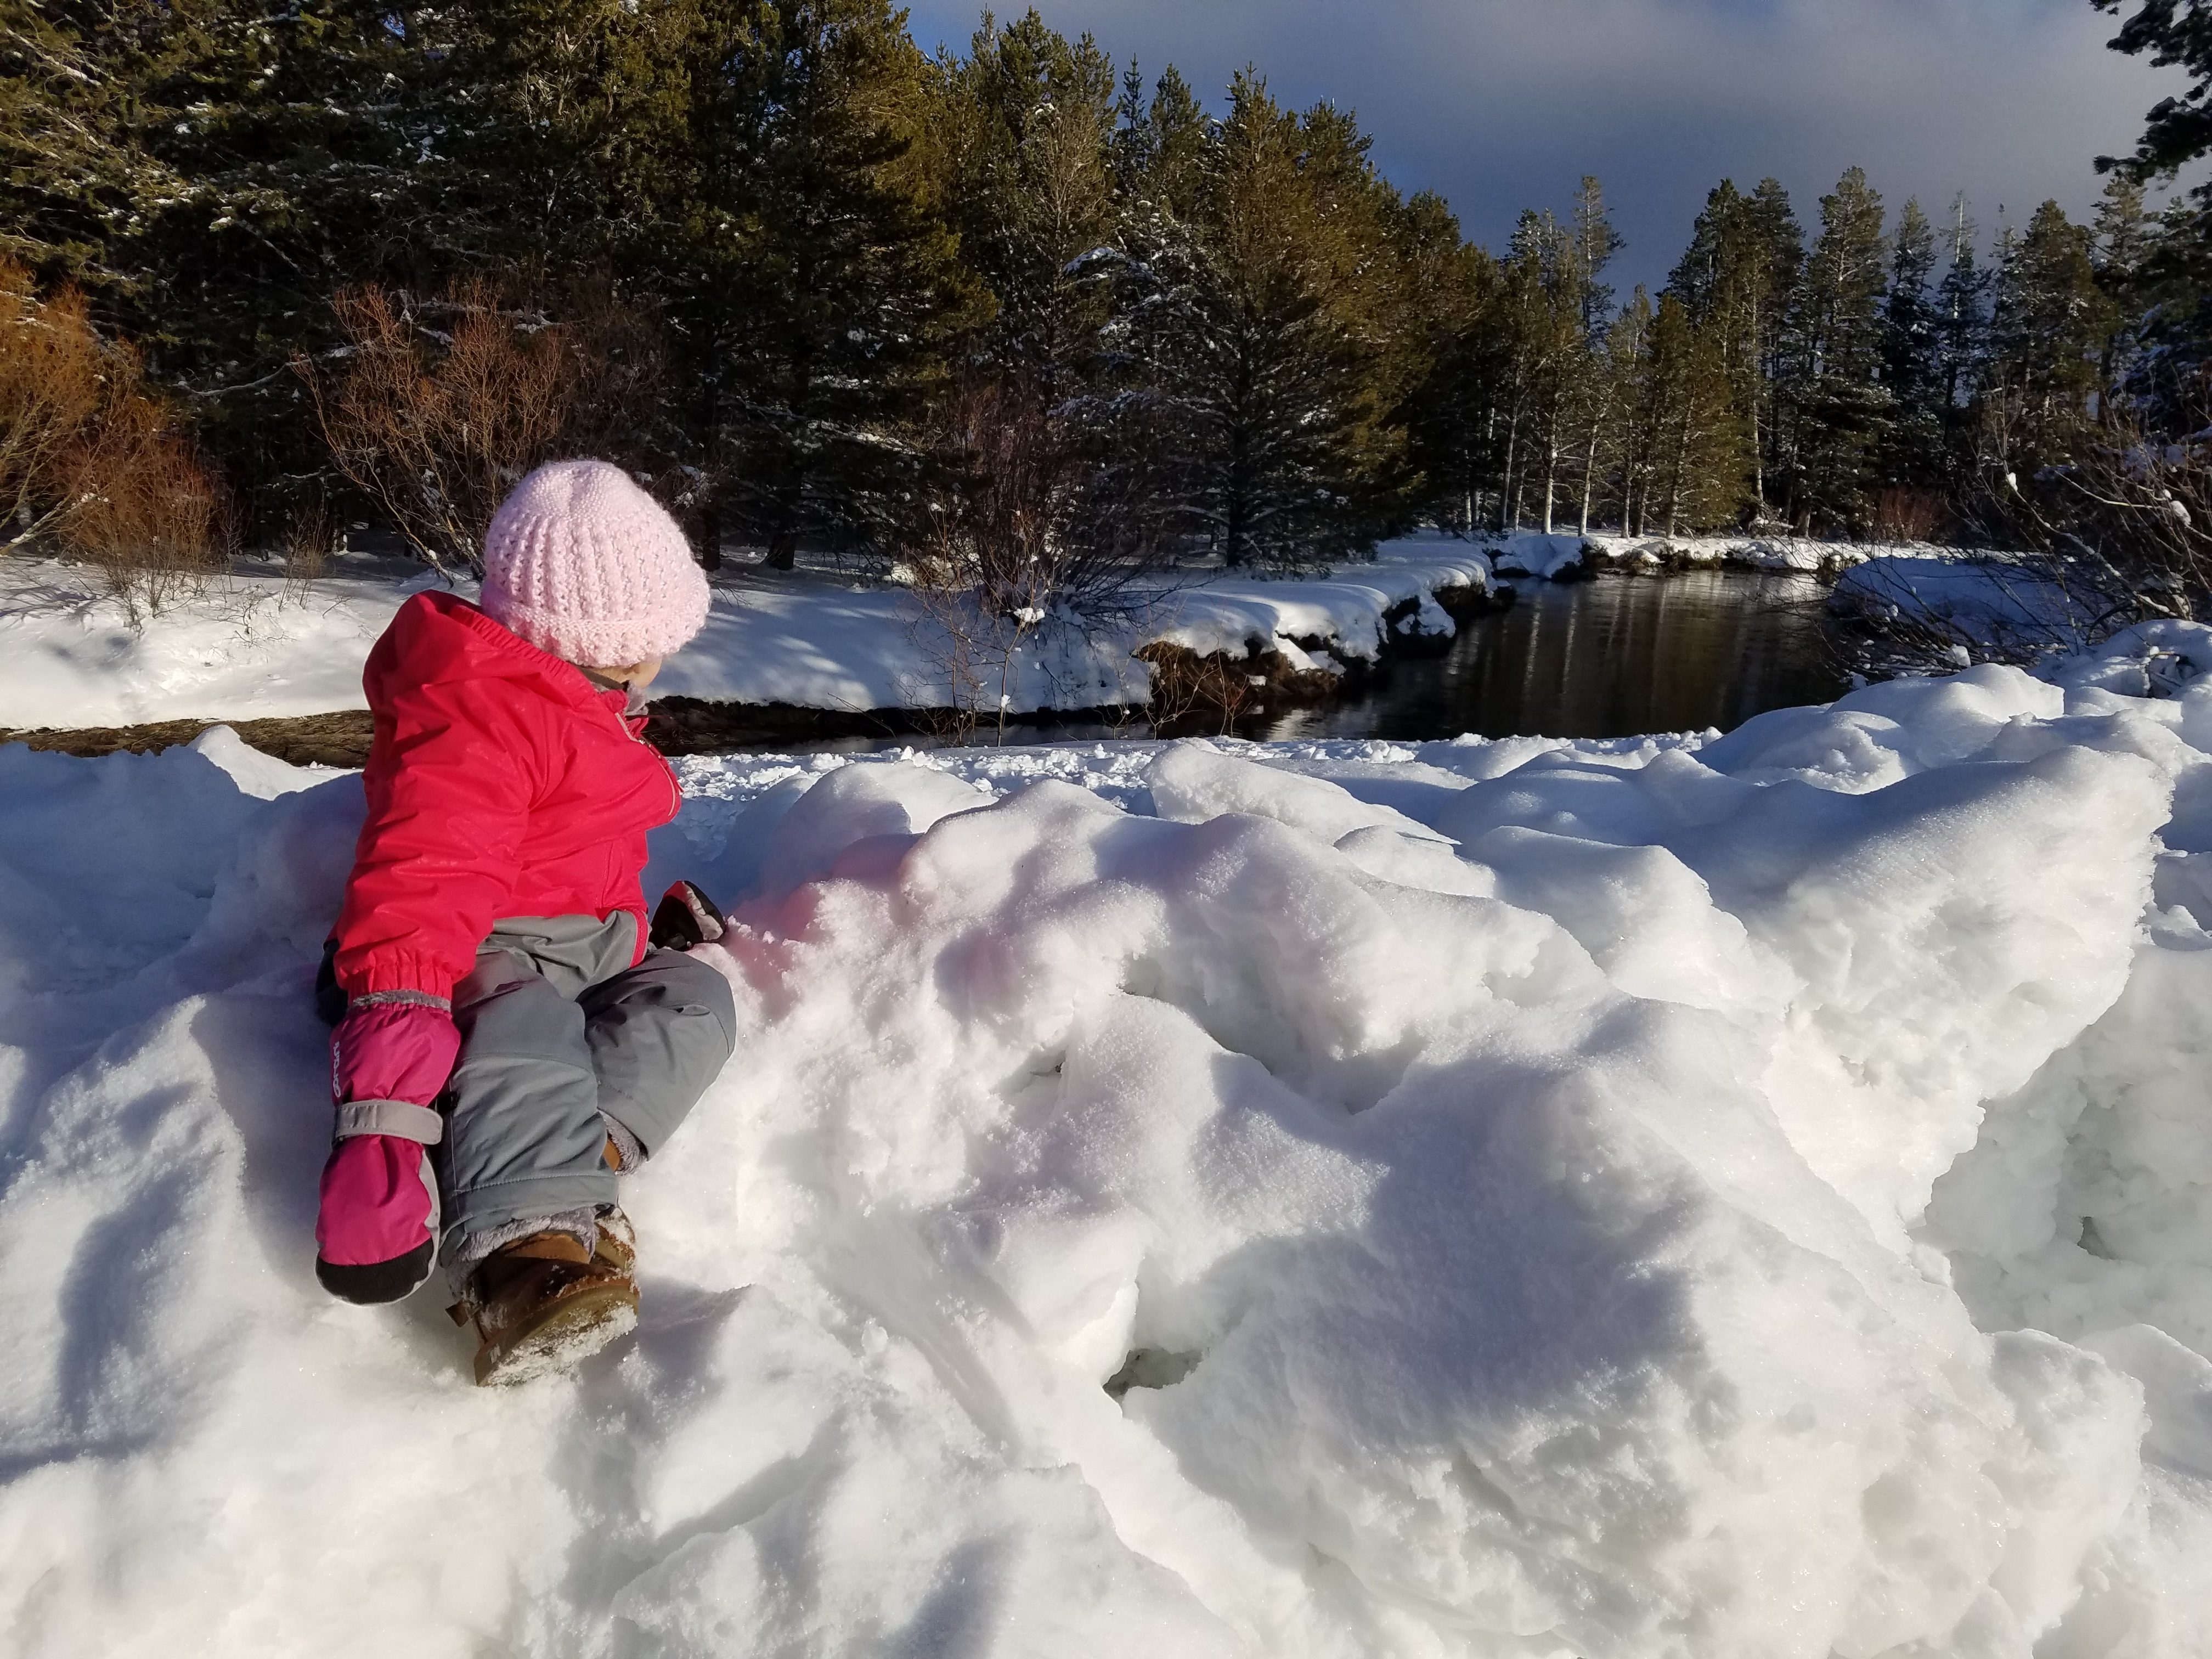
(402, 1118)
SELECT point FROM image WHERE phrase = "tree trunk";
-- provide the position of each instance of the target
(1551, 480)
(1509, 498)
(1758, 458)
(1589, 471)
(1680, 472)
(1758, 425)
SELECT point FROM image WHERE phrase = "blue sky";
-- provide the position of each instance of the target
(1504, 104)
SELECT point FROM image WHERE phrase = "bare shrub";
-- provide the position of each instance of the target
(142, 508)
(1027, 537)
(54, 380)
(1902, 514)
(438, 407)
(2125, 528)
(308, 540)
(1193, 693)
(2120, 533)
(93, 466)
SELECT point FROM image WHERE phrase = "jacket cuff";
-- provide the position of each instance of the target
(398, 970)
(401, 1000)
(402, 1119)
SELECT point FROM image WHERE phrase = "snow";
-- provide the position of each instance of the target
(249, 646)
(1533, 553)
(1988, 603)
(1345, 611)
(72, 653)
(1528, 553)
(1662, 1196)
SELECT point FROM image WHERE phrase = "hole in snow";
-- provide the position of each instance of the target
(1151, 1368)
(2092, 1241)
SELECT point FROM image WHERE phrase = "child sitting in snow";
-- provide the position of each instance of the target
(510, 1041)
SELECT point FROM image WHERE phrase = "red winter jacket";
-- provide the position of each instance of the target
(500, 783)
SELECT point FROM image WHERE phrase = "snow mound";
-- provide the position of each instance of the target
(1528, 553)
(1347, 613)
(1550, 1199)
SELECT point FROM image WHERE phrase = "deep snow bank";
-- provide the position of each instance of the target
(1509, 1163)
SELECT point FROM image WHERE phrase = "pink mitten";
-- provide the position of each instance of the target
(376, 1232)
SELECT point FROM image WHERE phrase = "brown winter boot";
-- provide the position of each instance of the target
(543, 1303)
(617, 1244)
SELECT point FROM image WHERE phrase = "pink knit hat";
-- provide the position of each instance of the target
(579, 561)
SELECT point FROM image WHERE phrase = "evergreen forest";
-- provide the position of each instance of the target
(286, 268)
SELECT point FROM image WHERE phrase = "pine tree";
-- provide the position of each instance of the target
(1266, 336)
(1452, 287)
(75, 173)
(1024, 129)
(2123, 239)
(2178, 131)
(2046, 334)
(566, 142)
(822, 288)
(1838, 410)
(1627, 364)
(1049, 486)
(1692, 440)
(1735, 281)
(1589, 398)
(1962, 315)
(2171, 326)
(214, 172)
(1160, 145)
(1541, 338)
(1913, 452)
(1594, 243)
(1365, 268)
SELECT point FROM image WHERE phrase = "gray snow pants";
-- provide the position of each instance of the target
(557, 1029)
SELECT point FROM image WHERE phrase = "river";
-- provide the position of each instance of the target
(1610, 658)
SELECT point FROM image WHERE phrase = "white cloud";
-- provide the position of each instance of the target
(1503, 103)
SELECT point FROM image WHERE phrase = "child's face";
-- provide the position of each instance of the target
(636, 676)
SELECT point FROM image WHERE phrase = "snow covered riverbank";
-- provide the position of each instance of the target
(1914, 615)
(1528, 1198)
(259, 647)
(1531, 553)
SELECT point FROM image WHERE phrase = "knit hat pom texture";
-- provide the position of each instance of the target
(582, 563)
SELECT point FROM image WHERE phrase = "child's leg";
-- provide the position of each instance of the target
(658, 1034)
(523, 1139)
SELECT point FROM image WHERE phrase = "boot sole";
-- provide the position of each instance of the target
(569, 1333)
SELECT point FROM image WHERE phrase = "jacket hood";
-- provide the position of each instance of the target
(438, 637)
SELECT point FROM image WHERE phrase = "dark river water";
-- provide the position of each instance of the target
(1605, 658)
(1610, 658)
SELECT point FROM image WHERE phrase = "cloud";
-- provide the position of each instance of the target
(1499, 105)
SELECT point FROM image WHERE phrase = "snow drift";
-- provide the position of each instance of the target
(1612, 1198)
